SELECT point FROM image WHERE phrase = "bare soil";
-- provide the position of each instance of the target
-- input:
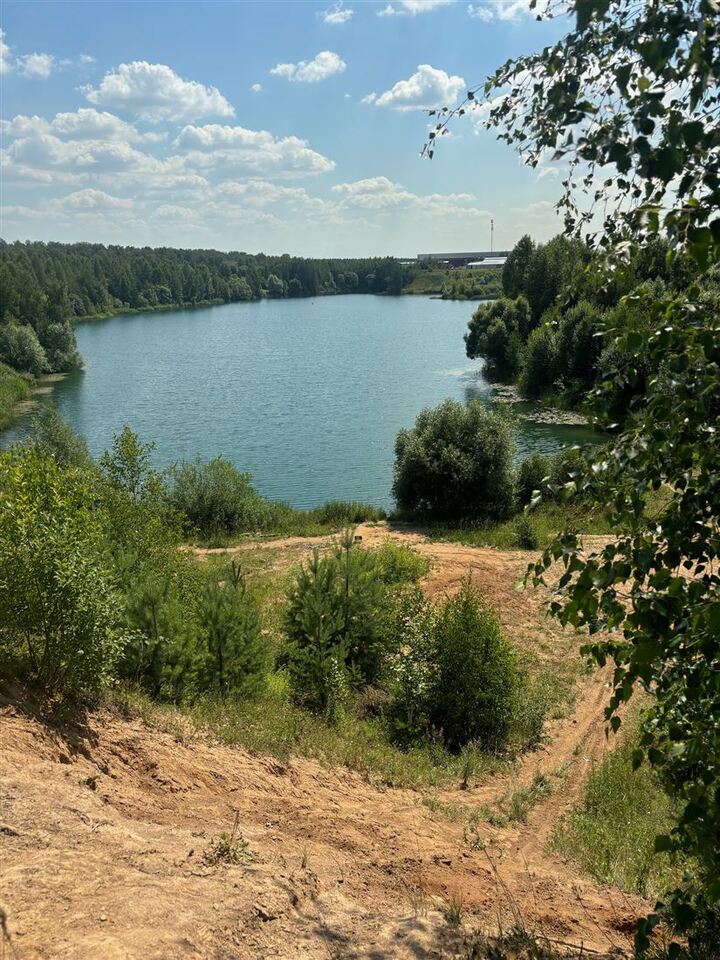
(104, 827)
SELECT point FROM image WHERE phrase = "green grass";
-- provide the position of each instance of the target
(285, 521)
(14, 387)
(517, 804)
(547, 520)
(274, 726)
(611, 833)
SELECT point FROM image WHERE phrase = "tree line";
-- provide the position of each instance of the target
(548, 331)
(45, 288)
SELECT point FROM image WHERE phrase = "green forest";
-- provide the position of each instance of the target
(45, 288)
(548, 332)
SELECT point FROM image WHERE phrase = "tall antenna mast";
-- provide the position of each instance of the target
(492, 234)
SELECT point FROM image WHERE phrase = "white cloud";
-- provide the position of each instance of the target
(85, 58)
(84, 124)
(429, 87)
(489, 10)
(44, 153)
(154, 92)
(423, 6)
(256, 88)
(217, 146)
(324, 65)
(382, 196)
(36, 64)
(337, 13)
(75, 204)
(6, 57)
(413, 7)
(29, 64)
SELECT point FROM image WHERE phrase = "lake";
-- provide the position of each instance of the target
(307, 395)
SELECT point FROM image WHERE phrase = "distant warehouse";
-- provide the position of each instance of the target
(481, 259)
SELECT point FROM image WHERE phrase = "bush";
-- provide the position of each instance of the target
(216, 498)
(531, 472)
(525, 533)
(476, 682)
(232, 656)
(541, 362)
(336, 626)
(397, 563)
(411, 670)
(60, 614)
(341, 513)
(318, 649)
(456, 463)
(20, 349)
(53, 437)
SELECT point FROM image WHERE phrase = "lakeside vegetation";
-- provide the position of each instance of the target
(548, 332)
(354, 666)
(14, 388)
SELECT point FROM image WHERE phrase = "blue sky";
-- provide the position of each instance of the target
(276, 126)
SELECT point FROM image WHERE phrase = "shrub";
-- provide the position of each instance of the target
(126, 466)
(477, 677)
(336, 625)
(455, 463)
(541, 362)
(525, 533)
(20, 348)
(531, 473)
(318, 649)
(232, 656)
(342, 513)
(397, 563)
(411, 667)
(53, 437)
(216, 498)
(60, 614)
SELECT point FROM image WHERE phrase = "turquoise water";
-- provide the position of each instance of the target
(307, 395)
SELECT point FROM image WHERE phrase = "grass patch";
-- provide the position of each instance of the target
(273, 725)
(281, 520)
(14, 387)
(517, 804)
(611, 833)
(546, 521)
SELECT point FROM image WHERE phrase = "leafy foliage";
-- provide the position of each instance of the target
(52, 437)
(335, 625)
(477, 679)
(456, 462)
(631, 95)
(497, 332)
(60, 612)
(216, 498)
(232, 656)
